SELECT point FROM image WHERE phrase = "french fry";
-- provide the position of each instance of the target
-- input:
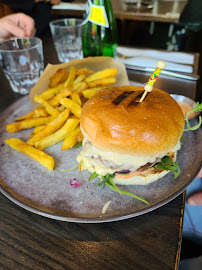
(71, 139)
(28, 123)
(26, 116)
(50, 128)
(102, 82)
(79, 86)
(36, 130)
(55, 101)
(79, 137)
(82, 71)
(31, 135)
(82, 87)
(59, 135)
(76, 98)
(32, 152)
(62, 75)
(102, 74)
(79, 78)
(61, 108)
(59, 76)
(50, 110)
(89, 93)
(71, 77)
(97, 88)
(68, 91)
(40, 111)
(74, 108)
(74, 86)
(65, 76)
(51, 92)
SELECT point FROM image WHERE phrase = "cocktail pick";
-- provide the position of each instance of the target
(149, 85)
(16, 43)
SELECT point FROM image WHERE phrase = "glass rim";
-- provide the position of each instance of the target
(21, 50)
(54, 23)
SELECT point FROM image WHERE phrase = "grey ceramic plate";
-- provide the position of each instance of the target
(33, 187)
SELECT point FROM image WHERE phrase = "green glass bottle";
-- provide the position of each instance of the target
(99, 35)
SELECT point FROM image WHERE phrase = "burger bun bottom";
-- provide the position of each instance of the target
(140, 180)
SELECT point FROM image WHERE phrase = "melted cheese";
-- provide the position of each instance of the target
(103, 162)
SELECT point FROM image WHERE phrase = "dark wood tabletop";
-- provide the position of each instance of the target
(150, 241)
(159, 10)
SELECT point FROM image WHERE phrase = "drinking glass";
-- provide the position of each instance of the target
(22, 62)
(67, 34)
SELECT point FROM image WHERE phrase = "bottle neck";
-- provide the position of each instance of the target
(97, 2)
(100, 2)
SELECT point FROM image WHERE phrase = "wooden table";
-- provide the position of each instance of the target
(162, 11)
(29, 241)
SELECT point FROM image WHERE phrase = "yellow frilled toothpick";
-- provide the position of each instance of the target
(149, 85)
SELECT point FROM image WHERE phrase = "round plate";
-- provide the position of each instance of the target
(49, 193)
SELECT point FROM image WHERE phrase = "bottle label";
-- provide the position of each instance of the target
(97, 15)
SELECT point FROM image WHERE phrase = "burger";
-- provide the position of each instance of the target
(134, 142)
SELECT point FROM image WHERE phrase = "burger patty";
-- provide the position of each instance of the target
(146, 169)
(146, 166)
(141, 169)
(112, 161)
(103, 162)
(171, 154)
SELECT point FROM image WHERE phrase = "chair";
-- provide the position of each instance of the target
(190, 23)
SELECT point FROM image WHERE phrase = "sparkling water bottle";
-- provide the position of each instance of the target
(99, 35)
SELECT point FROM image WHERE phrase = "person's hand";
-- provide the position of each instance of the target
(53, 2)
(16, 25)
(196, 198)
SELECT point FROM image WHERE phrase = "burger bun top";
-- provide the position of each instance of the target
(114, 120)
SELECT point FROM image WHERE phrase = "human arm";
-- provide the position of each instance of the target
(196, 198)
(53, 2)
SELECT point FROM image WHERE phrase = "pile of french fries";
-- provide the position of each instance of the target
(57, 118)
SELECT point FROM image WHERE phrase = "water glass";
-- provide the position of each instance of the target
(67, 36)
(22, 62)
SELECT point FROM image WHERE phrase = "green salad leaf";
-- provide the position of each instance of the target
(108, 180)
(79, 144)
(93, 175)
(198, 108)
(168, 165)
(127, 193)
(71, 169)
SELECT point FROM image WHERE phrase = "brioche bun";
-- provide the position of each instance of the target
(140, 180)
(116, 121)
